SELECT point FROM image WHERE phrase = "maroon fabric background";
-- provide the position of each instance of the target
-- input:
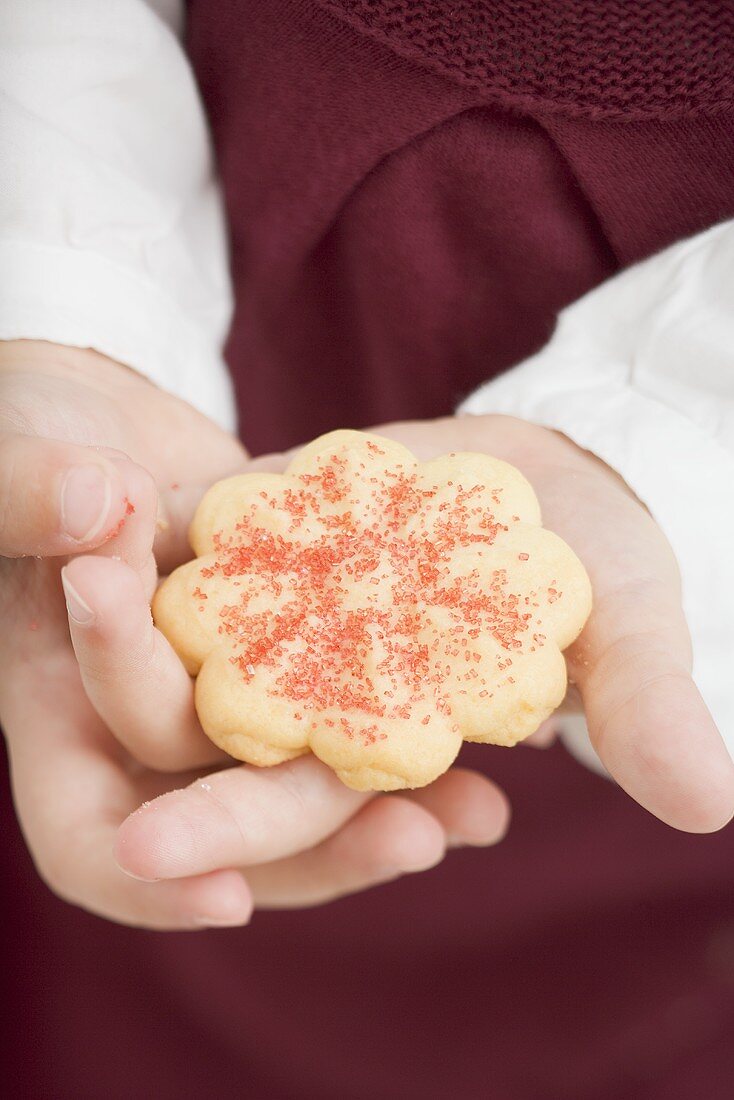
(588, 957)
(408, 212)
(399, 235)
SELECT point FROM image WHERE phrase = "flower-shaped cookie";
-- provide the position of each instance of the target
(373, 609)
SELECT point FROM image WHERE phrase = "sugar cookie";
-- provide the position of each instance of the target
(374, 610)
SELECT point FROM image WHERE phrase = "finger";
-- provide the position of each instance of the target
(549, 731)
(71, 794)
(545, 735)
(471, 809)
(572, 703)
(132, 540)
(646, 718)
(220, 900)
(389, 837)
(82, 872)
(59, 498)
(236, 818)
(273, 463)
(413, 435)
(90, 879)
(131, 675)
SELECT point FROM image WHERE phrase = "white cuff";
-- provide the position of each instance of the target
(82, 299)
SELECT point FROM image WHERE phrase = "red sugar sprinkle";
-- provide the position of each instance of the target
(523, 557)
(327, 645)
(129, 511)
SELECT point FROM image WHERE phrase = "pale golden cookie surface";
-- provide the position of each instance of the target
(374, 610)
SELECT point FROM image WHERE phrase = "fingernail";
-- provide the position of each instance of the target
(454, 841)
(78, 609)
(471, 842)
(203, 921)
(138, 878)
(85, 502)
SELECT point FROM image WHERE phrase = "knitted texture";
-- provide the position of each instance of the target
(593, 58)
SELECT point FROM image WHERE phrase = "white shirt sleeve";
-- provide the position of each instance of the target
(111, 227)
(641, 372)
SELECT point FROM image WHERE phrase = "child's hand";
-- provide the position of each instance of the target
(298, 834)
(631, 667)
(630, 670)
(77, 776)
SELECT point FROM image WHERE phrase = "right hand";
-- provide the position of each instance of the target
(80, 437)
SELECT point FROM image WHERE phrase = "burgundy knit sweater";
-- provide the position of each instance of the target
(413, 191)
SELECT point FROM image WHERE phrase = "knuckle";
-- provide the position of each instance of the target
(118, 669)
(53, 871)
(291, 782)
(646, 653)
(223, 810)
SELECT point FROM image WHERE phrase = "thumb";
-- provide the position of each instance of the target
(646, 718)
(59, 498)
